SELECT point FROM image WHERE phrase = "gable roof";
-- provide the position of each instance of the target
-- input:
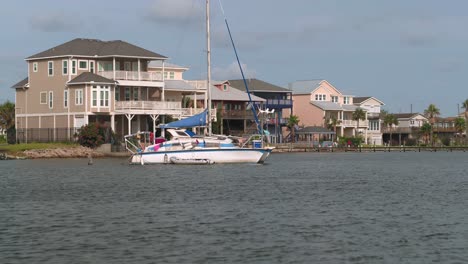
(96, 48)
(232, 94)
(360, 100)
(21, 84)
(256, 85)
(180, 85)
(305, 86)
(89, 77)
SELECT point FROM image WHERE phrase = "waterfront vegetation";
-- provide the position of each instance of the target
(17, 149)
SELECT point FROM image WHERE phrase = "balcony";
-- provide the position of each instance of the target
(352, 123)
(277, 103)
(132, 76)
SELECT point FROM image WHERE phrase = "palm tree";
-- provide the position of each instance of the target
(465, 106)
(425, 130)
(389, 121)
(293, 120)
(331, 123)
(359, 114)
(431, 113)
(7, 120)
(460, 125)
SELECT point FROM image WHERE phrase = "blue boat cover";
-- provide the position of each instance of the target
(193, 121)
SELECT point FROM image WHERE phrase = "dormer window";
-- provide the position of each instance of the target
(334, 99)
(320, 97)
(225, 87)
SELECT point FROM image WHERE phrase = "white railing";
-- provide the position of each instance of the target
(147, 105)
(132, 75)
(352, 123)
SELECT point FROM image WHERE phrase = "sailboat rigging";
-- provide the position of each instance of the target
(184, 148)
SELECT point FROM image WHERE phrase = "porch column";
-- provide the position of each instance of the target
(163, 86)
(163, 131)
(139, 77)
(129, 118)
(113, 66)
(112, 118)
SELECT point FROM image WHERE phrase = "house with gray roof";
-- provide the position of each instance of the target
(116, 83)
(372, 107)
(278, 99)
(234, 111)
(318, 103)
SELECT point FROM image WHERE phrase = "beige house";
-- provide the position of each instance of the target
(115, 83)
(315, 101)
(372, 107)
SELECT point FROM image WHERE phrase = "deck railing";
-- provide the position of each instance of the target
(146, 105)
(132, 75)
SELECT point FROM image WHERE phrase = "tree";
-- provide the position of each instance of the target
(460, 125)
(426, 130)
(465, 106)
(90, 135)
(293, 121)
(359, 114)
(331, 123)
(389, 121)
(7, 120)
(431, 113)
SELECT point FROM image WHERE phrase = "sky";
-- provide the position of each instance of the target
(407, 54)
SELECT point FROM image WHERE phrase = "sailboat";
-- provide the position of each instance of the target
(185, 148)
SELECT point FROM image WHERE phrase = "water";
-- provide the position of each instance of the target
(298, 208)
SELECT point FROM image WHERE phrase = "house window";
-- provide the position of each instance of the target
(165, 75)
(64, 67)
(104, 96)
(411, 122)
(127, 93)
(35, 67)
(127, 66)
(320, 97)
(65, 98)
(334, 99)
(224, 87)
(91, 66)
(374, 125)
(346, 100)
(117, 94)
(50, 68)
(79, 97)
(136, 93)
(73, 67)
(51, 99)
(43, 97)
(171, 75)
(82, 65)
(94, 95)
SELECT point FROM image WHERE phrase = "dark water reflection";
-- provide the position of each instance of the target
(298, 208)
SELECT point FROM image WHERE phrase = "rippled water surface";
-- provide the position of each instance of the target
(298, 208)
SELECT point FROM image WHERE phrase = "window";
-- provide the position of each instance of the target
(82, 65)
(374, 125)
(346, 100)
(65, 98)
(136, 93)
(334, 99)
(127, 66)
(411, 122)
(65, 67)
(35, 67)
(79, 97)
(117, 94)
(51, 99)
(43, 97)
(320, 97)
(224, 87)
(127, 93)
(100, 94)
(50, 68)
(171, 75)
(165, 75)
(73, 67)
(94, 94)
(91, 66)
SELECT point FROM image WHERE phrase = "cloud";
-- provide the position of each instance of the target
(176, 12)
(55, 22)
(232, 72)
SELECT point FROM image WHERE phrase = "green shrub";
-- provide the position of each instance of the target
(355, 141)
(2, 139)
(90, 136)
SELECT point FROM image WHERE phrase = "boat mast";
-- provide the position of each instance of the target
(208, 53)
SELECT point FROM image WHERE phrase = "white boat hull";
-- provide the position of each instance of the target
(214, 155)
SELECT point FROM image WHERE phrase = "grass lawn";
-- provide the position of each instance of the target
(17, 148)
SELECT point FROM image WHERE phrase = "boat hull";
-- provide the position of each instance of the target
(216, 155)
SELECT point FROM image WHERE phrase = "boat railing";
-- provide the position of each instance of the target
(254, 140)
